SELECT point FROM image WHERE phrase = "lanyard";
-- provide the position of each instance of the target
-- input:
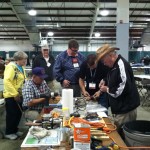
(20, 68)
(92, 75)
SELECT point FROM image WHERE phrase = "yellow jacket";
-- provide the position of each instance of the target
(13, 80)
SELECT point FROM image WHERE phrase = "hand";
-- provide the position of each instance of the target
(97, 94)
(102, 83)
(88, 98)
(66, 83)
(104, 88)
(86, 94)
(17, 98)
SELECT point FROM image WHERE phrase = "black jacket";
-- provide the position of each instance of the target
(123, 94)
(39, 61)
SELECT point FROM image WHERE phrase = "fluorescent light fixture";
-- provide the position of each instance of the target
(131, 24)
(50, 33)
(148, 19)
(32, 12)
(104, 12)
(97, 34)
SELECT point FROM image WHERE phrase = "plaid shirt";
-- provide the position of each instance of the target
(31, 91)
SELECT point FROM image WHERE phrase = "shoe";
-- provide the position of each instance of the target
(19, 133)
(11, 136)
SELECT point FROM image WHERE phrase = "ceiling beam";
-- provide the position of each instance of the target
(8, 15)
(12, 31)
(12, 38)
(12, 35)
(87, 8)
(84, 15)
(92, 1)
(70, 1)
(86, 30)
(94, 18)
(5, 8)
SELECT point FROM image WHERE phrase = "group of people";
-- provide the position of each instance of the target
(104, 76)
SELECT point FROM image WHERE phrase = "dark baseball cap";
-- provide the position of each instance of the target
(39, 71)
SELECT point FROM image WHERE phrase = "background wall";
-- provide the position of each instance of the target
(10, 47)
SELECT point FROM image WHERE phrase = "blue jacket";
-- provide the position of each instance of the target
(64, 69)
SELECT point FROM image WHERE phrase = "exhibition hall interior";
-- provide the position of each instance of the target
(74, 74)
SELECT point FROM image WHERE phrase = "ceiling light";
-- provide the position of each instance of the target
(50, 33)
(97, 34)
(32, 12)
(104, 12)
(147, 19)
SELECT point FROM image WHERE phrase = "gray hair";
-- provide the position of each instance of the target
(20, 55)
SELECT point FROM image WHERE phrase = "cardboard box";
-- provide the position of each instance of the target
(82, 136)
(82, 146)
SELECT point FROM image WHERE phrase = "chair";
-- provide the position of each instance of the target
(140, 87)
(146, 85)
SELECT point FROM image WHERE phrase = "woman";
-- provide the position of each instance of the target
(14, 77)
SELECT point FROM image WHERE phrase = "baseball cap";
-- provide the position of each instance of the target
(39, 71)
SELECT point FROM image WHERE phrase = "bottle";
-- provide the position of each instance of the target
(66, 113)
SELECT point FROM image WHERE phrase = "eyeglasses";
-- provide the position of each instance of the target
(74, 50)
(45, 49)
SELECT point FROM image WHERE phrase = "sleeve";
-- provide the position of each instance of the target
(58, 70)
(124, 86)
(36, 62)
(46, 87)
(27, 93)
(82, 72)
(9, 74)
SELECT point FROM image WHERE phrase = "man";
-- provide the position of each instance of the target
(46, 60)
(90, 76)
(67, 66)
(32, 91)
(146, 62)
(121, 89)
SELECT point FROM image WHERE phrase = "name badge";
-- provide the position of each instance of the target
(76, 65)
(48, 64)
(92, 85)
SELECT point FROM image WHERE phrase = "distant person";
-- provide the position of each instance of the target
(67, 67)
(14, 78)
(91, 73)
(46, 60)
(2, 68)
(7, 61)
(31, 91)
(121, 88)
(146, 62)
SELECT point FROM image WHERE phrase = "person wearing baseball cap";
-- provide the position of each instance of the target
(121, 88)
(32, 91)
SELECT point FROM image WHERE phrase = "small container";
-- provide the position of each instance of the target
(66, 113)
